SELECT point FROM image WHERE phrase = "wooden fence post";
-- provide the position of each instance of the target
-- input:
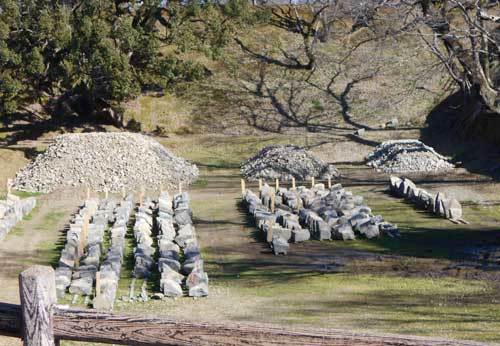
(293, 183)
(277, 184)
(312, 182)
(329, 182)
(37, 289)
(243, 187)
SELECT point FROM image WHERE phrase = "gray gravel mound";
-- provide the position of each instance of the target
(112, 161)
(407, 155)
(285, 162)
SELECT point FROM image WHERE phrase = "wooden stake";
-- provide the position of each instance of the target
(273, 201)
(293, 183)
(329, 182)
(88, 192)
(277, 184)
(260, 184)
(9, 186)
(97, 284)
(106, 193)
(312, 182)
(242, 187)
(180, 188)
(37, 290)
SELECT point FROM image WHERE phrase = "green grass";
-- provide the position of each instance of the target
(215, 152)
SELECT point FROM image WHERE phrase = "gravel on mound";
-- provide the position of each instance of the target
(112, 161)
(406, 155)
(285, 162)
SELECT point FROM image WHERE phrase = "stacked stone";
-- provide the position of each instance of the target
(266, 221)
(67, 261)
(192, 266)
(111, 267)
(12, 210)
(169, 252)
(321, 213)
(143, 231)
(336, 213)
(439, 203)
(85, 274)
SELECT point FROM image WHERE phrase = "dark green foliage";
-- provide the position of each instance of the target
(104, 52)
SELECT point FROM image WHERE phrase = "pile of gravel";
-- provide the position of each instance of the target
(113, 161)
(285, 162)
(407, 155)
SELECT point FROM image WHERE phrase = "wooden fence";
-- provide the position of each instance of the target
(39, 321)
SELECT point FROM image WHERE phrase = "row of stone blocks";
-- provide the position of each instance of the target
(334, 213)
(111, 267)
(438, 204)
(278, 227)
(12, 210)
(318, 212)
(179, 260)
(80, 258)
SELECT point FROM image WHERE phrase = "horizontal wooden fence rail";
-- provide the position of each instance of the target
(32, 323)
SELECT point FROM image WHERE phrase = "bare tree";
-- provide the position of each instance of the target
(465, 36)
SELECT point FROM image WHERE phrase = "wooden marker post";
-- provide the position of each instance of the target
(97, 284)
(9, 186)
(277, 184)
(180, 188)
(37, 290)
(106, 194)
(293, 183)
(312, 182)
(260, 184)
(242, 187)
(329, 182)
(273, 200)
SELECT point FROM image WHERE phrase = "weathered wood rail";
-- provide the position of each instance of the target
(38, 321)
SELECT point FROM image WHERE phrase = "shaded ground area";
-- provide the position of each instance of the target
(421, 284)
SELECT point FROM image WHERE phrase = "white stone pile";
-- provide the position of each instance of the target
(143, 234)
(105, 161)
(12, 210)
(72, 249)
(439, 203)
(285, 162)
(406, 155)
(111, 267)
(318, 212)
